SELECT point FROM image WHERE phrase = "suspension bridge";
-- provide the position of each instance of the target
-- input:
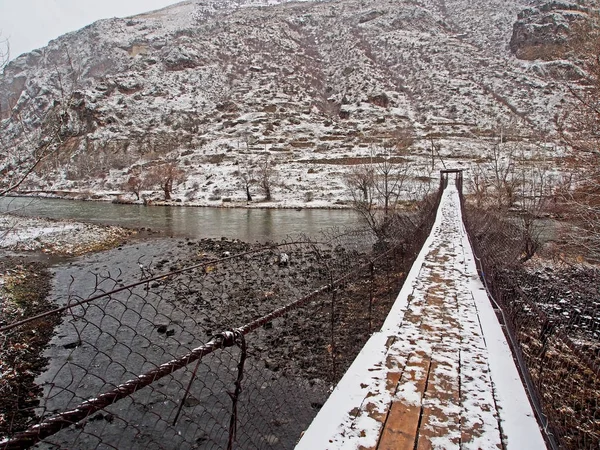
(440, 373)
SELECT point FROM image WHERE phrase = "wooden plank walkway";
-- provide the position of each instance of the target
(439, 374)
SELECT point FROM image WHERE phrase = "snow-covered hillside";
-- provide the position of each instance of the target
(218, 87)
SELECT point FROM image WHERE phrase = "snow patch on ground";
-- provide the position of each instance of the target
(56, 237)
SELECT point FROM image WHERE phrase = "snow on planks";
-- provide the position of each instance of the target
(440, 373)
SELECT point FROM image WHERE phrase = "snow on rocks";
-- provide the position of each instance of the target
(440, 371)
(56, 237)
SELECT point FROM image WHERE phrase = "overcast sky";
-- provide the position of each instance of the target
(30, 24)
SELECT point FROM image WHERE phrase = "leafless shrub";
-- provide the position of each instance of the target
(267, 177)
(4, 52)
(166, 175)
(375, 189)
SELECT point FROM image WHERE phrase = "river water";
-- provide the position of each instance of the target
(246, 224)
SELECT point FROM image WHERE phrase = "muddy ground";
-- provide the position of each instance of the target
(569, 295)
(23, 290)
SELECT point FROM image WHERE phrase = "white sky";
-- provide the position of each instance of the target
(31, 24)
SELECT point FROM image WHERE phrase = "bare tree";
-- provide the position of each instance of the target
(267, 176)
(137, 182)
(361, 179)
(166, 175)
(376, 188)
(246, 175)
(4, 52)
(390, 175)
(502, 154)
(19, 162)
(526, 184)
(535, 190)
(579, 127)
(478, 182)
(494, 176)
(579, 124)
(41, 137)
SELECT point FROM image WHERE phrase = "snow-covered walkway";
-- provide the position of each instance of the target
(440, 373)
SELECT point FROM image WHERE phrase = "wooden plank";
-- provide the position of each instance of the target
(402, 424)
(441, 406)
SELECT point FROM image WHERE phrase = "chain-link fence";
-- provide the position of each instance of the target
(226, 345)
(552, 316)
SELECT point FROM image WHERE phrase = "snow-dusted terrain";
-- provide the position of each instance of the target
(440, 371)
(57, 237)
(219, 87)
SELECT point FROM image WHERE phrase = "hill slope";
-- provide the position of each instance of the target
(217, 86)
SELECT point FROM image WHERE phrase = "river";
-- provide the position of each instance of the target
(246, 224)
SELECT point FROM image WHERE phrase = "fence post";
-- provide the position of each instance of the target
(332, 344)
(371, 289)
(396, 271)
(388, 281)
(240, 341)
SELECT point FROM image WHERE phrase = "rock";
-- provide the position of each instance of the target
(545, 32)
(72, 345)
(559, 70)
(381, 100)
(180, 58)
(190, 402)
(271, 364)
(284, 259)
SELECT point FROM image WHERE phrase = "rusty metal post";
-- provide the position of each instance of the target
(332, 344)
(240, 341)
(371, 293)
(396, 271)
(388, 279)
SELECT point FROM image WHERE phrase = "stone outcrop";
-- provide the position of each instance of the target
(549, 31)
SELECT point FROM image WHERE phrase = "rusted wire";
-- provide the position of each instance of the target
(66, 419)
(141, 283)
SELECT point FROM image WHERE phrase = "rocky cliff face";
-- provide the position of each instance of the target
(550, 30)
(218, 87)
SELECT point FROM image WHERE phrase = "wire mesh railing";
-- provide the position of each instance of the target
(222, 344)
(552, 316)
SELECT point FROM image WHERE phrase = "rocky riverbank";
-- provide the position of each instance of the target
(24, 287)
